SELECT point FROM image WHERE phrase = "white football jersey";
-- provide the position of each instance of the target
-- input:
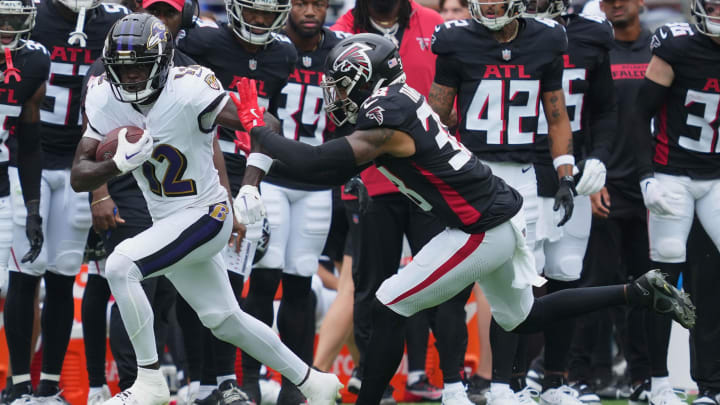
(180, 173)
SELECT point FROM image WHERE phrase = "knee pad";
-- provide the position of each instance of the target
(668, 250)
(119, 269)
(566, 268)
(303, 266)
(19, 213)
(224, 325)
(69, 257)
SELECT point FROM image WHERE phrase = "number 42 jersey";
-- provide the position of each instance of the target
(442, 177)
(180, 174)
(499, 85)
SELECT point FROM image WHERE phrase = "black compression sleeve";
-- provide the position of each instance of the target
(651, 98)
(310, 161)
(603, 111)
(29, 159)
(328, 178)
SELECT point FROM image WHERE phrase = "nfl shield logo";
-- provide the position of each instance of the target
(252, 63)
(307, 61)
(506, 54)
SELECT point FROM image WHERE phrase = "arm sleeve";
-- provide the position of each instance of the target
(328, 178)
(651, 98)
(29, 159)
(311, 161)
(603, 110)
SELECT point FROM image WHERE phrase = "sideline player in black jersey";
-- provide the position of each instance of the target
(298, 213)
(67, 213)
(24, 67)
(249, 45)
(559, 252)
(501, 66)
(618, 234)
(680, 168)
(398, 132)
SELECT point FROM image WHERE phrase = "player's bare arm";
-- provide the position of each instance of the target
(86, 173)
(660, 72)
(441, 99)
(559, 133)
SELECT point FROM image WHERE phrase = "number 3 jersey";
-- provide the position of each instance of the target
(60, 112)
(499, 85)
(180, 173)
(686, 128)
(442, 177)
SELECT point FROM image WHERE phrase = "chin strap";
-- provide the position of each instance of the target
(78, 37)
(11, 71)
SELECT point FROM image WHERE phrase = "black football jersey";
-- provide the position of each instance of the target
(442, 177)
(686, 129)
(60, 113)
(301, 106)
(589, 97)
(33, 62)
(629, 62)
(218, 48)
(499, 85)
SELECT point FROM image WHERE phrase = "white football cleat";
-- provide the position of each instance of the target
(455, 396)
(99, 396)
(321, 388)
(562, 395)
(149, 388)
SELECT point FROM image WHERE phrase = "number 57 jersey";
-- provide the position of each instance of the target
(499, 85)
(180, 174)
(442, 177)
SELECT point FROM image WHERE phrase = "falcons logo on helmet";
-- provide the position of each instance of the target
(355, 57)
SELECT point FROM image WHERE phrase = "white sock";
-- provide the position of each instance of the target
(18, 379)
(499, 387)
(124, 277)
(414, 376)
(193, 388)
(50, 377)
(222, 378)
(657, 384)
(453, 387)
(205, 391)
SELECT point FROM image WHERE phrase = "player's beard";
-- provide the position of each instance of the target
(302, 31)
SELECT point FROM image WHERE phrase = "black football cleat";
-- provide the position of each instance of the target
(655, 292)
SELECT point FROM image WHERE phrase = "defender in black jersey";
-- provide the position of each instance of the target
(590, 100)
(249, 45)
(24, 67)
(679, 167)
(398, 132)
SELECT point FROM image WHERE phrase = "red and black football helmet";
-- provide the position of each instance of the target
(354, 69)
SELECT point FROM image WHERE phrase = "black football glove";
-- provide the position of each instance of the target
(33, 230)
(356, 187)
(565, 198)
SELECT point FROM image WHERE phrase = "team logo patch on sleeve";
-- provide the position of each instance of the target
(376, 113)
(212, 81)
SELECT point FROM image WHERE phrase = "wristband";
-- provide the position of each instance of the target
(563, 160)
(260, 160)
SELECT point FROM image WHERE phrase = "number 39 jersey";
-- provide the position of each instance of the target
(180, 173)
(60, 112)
(499, 85)
(686, 129)
(442, 177)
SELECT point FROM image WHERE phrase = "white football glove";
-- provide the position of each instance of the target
(129, 156)
(248, 204)
(657, 198)
(592, 178)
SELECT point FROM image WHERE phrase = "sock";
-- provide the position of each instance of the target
(451, 335)
(552, 380)
(657, 384)
(57, 320)
(222, 378)
(19, 314)
(94, 305)
(19, 379)
(504, 346)
(415, 376)
(453, 387)
(296, 316)
(496, 387)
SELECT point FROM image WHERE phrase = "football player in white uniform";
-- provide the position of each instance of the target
(178, 109)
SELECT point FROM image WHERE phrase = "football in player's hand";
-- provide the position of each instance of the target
(106, 149)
